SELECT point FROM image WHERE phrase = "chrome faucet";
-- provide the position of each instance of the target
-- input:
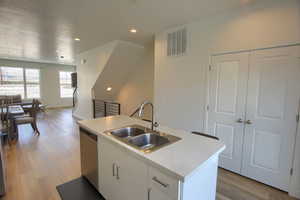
(141, 110)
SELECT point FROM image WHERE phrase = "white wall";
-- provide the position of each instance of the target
(124, 60)
(139, 86)
(87, 74)
(180, 83)
(126, 67)
(49, 77)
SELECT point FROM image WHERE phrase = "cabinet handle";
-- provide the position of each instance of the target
(113, 169)
(239, 120)
(248, 122)
(160, 182)
(118, 177)
(149, 191)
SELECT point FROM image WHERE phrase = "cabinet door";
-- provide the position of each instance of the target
(162, 186)
(155, 193)
(272, 106)
(227, 98)
(108, 157)
(132, 176)
(121, 176)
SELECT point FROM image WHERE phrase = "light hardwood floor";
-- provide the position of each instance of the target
(37, 164)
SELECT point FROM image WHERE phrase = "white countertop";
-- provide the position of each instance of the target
(179, 159)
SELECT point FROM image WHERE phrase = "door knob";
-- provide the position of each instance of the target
(248, 122)
(240, 120)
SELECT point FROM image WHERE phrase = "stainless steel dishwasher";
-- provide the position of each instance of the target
(89, 156)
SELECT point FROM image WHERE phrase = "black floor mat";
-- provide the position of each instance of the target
(78, 189)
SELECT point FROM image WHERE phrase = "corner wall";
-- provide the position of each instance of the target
(87, 75)
(125, 67)
(139, 86)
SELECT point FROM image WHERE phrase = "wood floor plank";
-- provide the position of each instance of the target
(37, 164)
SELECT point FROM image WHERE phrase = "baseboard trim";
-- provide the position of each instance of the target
(295, 194)
(77, 117)
(58, 107)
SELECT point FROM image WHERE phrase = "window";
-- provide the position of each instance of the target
(32, 83)
(18, 80)
(65, 81)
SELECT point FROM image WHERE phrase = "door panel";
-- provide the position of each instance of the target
(227, 99)
(272, 104)
(133, 177)
(122, 175)
(156, 194)
(108, 157)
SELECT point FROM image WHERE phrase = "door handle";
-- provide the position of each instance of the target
(113, 169)
(248, 122)
(149, 191)
(118, 177)
(240, 120)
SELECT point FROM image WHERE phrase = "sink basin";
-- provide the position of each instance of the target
(127, 132)
(148, 140)
(142, 138)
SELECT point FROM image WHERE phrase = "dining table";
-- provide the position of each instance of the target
(15, 110)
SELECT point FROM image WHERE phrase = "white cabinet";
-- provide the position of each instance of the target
(155, 193)
(161, 186)
(108, 182)
(121, 176)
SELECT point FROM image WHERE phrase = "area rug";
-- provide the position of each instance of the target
(78, 189)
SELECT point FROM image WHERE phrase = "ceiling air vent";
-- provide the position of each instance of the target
(177, 42)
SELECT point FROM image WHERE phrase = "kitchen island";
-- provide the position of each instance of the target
(183, 170)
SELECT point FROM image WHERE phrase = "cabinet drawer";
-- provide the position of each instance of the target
(163, 182)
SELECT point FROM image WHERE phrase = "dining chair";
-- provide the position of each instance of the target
(29, 119)
(3, 110)
(16, 99)
(6, 125)
(3, 124)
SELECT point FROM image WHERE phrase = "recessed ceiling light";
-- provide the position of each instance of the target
(108, 89)
(133, 30)
(77, 39)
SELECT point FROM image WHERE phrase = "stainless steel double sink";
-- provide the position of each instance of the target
(142, 138)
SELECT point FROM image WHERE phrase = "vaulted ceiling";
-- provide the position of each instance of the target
(44, 30)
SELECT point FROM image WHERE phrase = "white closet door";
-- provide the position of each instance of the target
(272, 104)
(227, 100)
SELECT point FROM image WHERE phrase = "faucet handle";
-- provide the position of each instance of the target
(156, 124)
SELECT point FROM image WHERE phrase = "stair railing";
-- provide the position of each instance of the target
(103, 108)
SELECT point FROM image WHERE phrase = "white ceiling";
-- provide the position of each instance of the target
(43, 30)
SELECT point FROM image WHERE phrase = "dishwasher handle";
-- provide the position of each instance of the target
(89, 134)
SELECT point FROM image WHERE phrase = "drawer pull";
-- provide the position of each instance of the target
(160, 182)
(113, 169)
(118, 177)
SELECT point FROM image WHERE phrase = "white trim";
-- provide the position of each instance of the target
(295, 194)
(77, 117)
(257, 49)
(35, 61)
(207, 80)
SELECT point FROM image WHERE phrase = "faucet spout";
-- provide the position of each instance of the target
(141, 111)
